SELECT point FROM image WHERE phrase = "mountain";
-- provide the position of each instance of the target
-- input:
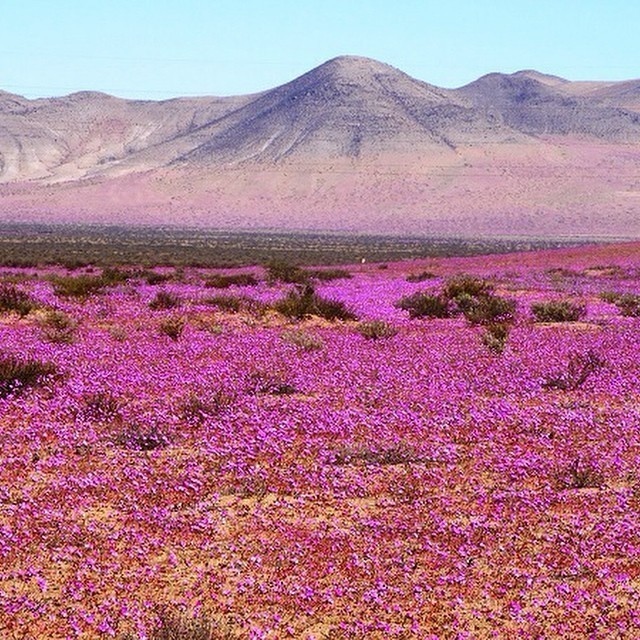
(535, 106)
(353, 144)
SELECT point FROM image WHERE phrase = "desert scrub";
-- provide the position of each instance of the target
(421, 277)
(112, 276)
(305, 302)
(172, 327)
(399, 454)
(139, 437)
(303, 340)
(467, 286)
(426, 305)
(219, 281)
(557, 311)
(195, 408)
(153, 277)
(82, 286)
(57, 327)
(487, 309)
(495, 337)
(376, 329)
(269, 383)
(579, 474)
(165, 300)
(17, 374)
(580, 368)
(236, 304)
(100, 406)
(283, 271)
(15, 300)
(629, 305)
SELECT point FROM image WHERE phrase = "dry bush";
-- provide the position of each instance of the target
(376, 329)
(17, 374)
(58, 327)
(579, 474)
(579, 368)
(421, 277)
(165, 300)
(303, 340)
(15, 300)
(172, 327)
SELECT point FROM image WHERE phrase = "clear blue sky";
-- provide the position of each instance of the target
(163, 48)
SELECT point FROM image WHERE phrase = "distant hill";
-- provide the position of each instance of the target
(352, 144)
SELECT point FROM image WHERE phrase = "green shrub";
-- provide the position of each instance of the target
(165, 300)
(467, 286)
(489, 310)
(17, 374)
(557, 311)
(112, 276)
(426, 305)
(629, 305)
(376, 329)
(225, 281)
(81, 286)
(236, 304)
(13, 299)
(283, 271)
(305, 302)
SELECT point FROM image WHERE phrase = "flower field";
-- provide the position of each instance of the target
(183, 460)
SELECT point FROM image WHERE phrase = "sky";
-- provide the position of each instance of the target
(157, 49)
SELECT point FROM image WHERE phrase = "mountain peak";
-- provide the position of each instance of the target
(543, 78)
(354, 68)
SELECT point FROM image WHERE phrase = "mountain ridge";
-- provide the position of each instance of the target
(353, 142)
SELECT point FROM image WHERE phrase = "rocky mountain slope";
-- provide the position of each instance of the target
(352, 144)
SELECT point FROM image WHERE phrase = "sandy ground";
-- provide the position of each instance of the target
(567, 187)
